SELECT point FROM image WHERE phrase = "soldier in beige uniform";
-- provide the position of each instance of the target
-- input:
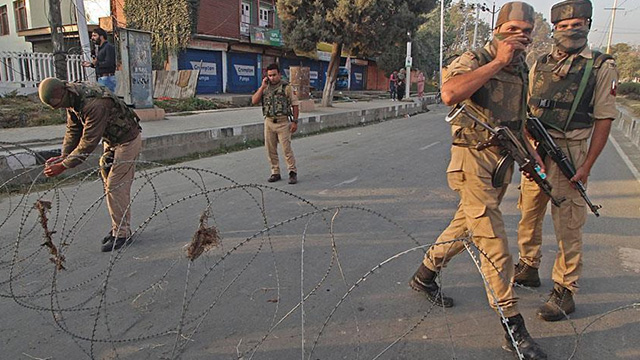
(94, 114)
(560, 81)
(280, 110)
(492, 81)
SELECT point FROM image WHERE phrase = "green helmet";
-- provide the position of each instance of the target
(571, 9)
(50, 86)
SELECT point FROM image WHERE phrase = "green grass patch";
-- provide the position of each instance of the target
(25, 111)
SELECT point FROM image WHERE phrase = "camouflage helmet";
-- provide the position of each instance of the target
(516, 10)
(571, 9)
(49, 87)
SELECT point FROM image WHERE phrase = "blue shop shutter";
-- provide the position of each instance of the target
(243, 73)
(210, 79)
(357, 77)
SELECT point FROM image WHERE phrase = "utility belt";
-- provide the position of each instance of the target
(275, 120)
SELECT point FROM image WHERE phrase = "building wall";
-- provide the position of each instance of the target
(13, 42)
(38, 10)
(219, 18)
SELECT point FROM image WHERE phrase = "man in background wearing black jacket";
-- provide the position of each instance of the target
(104, 61)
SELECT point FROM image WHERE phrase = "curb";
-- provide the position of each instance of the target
(21, 166)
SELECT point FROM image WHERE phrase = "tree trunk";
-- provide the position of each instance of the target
(332, 75)
(57, 38)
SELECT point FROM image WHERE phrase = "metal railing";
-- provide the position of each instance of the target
(25, 69)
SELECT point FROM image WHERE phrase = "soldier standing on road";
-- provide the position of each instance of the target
(571, 74)
(280, 110)
(94, 114)
(491, 80)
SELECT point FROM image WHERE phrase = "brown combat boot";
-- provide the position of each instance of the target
(424, 280)
(528, 348)
(559, 305)
(526, 275)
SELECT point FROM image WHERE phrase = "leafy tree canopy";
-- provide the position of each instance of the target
(170, 24)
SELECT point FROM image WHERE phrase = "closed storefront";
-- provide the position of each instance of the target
(244, 72)
(210, 65)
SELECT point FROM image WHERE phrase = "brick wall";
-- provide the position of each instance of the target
(219, 18)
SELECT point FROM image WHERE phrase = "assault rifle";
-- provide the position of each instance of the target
(549, 147)
(511, 149)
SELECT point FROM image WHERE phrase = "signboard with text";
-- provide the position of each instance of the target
(265, 36)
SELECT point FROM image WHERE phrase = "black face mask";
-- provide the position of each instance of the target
(571, 41)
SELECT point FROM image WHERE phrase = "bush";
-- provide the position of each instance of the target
(190, 104)
(632, 89)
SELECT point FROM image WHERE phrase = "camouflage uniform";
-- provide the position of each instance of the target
(277, 101)
(560, 78)
(97, 115)
(469, 173)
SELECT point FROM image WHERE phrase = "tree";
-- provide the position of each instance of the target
(360, 26)
(542, 41)
(627, 61)
(170, 24)
(426, 43)
(57, 39)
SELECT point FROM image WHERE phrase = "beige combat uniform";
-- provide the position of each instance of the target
(469, 174)
(569, 218)
(88, 125)
(276, 130)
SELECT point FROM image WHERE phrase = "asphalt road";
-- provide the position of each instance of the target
(367, 199)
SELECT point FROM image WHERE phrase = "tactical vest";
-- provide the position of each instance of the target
(501, 100)
(121, 121)
(275, 101)
(552, 97)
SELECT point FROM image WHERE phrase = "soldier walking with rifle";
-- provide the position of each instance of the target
(572, 94)
(491, 83)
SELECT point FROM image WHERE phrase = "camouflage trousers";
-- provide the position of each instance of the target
(568, 219)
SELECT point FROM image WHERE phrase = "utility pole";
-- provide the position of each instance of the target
(408, 63)
(475, 28)
(57, 39)
(85, 43)
(441, 39)
(613, 19)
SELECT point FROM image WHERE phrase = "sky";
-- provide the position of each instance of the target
(626, 26)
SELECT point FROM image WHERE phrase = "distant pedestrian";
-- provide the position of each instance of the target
(421, 80)
(393, 86)
(95, 114)
(402, 77)
(104, 61)
(280, 111)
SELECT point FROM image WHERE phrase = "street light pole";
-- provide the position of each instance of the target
(408, 62)
(441, 39)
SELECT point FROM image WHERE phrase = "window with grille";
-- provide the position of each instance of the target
(4, 21)
(21, 15)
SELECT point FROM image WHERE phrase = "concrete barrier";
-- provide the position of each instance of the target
(21, 165)
(630, 126)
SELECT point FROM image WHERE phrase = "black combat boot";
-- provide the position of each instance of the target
(529, 349)
(526, 275)
(424, 280)
(560, 304)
